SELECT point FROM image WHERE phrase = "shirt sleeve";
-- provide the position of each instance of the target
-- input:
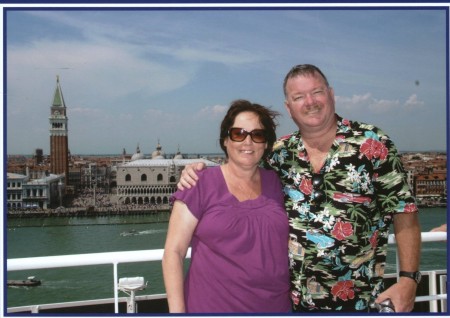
(192, 197)
(393, 191)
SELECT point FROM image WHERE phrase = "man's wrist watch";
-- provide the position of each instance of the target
(417, 276)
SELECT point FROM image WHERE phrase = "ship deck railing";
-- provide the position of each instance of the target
(115, 258)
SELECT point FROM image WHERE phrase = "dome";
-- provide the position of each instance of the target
(158, 153)
(138, 155)
(178, 155)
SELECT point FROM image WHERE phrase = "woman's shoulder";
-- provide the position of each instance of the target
(197, 197)
(271, 184)
(268, 175)
(209, 176)
(210, 172)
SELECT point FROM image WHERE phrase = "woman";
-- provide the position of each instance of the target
(235, 221)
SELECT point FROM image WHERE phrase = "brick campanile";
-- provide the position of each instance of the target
(59, 145)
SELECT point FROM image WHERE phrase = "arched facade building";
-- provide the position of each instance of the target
(151, 181)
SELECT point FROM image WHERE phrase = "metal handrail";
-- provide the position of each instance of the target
(432, 285)
(106, 258)
(115, 258)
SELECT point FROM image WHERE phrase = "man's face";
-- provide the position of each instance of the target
(309, 102)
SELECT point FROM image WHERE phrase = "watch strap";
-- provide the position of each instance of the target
(416, 276)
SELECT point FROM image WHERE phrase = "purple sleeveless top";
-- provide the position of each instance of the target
(239, 261)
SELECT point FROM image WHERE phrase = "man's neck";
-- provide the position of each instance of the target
(321, 139)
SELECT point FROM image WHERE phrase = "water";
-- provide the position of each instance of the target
(47, 237)
(53, 236)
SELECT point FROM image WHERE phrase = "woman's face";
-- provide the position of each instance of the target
(246, 153)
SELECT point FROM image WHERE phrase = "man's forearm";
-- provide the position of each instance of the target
(408, 238)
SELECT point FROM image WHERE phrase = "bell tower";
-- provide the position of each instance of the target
(59, 145)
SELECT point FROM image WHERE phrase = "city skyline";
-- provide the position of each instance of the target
(143, 76)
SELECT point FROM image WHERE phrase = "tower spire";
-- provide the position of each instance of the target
(58, 99)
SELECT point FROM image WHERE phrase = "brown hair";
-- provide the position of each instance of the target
(303, 70)
(266, 118)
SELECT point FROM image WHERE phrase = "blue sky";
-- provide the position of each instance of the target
(137, 76)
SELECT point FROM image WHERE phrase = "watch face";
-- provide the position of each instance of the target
(418, 277)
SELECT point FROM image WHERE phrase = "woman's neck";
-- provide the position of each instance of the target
(242, 173)
(244, 184)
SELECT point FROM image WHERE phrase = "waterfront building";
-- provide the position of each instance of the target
(40, 193)
(59, 145)
(14, 189)
(431, 189)
(151, 181)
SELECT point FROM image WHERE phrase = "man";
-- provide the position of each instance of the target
(344, 185)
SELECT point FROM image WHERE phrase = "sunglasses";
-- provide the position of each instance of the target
(318, 195)
(239, 135)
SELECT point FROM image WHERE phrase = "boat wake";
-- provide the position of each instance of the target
(145, 232)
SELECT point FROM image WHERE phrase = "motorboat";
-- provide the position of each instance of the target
(29, 282)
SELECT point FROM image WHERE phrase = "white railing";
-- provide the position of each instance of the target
(115, 258)
(433, 297)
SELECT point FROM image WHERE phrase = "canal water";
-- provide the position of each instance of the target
(79, 235)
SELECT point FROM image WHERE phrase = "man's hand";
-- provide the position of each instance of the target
(402, 294)
(441, 228)
(189, 176)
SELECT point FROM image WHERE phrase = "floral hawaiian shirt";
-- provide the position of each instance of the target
(338, 245)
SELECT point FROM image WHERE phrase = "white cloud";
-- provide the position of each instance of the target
(384, 105)
(413, 102)
(356, 101)
(376, 106)
(116, 72)
(212, 111)
(205, 52)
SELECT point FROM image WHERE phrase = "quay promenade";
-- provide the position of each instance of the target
(117, 210)
(90, 204)
(88, 211)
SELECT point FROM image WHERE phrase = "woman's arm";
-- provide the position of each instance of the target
(181, 228)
